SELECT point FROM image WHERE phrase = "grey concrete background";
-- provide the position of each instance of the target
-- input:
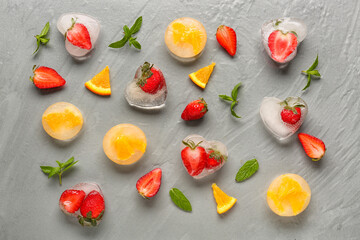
(29, 201)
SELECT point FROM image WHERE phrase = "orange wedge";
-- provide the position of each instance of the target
(223, 201)
(201, 76)
(100, 83)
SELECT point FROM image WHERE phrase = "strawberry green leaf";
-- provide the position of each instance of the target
(247, 170)
(314, 65)
(226, 98)
(232, 110)
(235, 91)
(137, 25)
(180, 200)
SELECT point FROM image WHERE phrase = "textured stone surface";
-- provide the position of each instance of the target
(29, 201)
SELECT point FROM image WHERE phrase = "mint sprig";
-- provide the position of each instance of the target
(232, 99)
(128, 35)
(247, 170)
(58, 170)
(180, 200)
(40, 39)
(312, 72)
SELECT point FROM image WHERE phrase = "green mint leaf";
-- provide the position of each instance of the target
(119, 44)
(72, 164)
(38, 45)
(44, 41)
(46, 169)
(55, 170)
(235, 91)
(58, 170)
(68, 162)
(45, 30)
(247, 170)
(127, 31)
(226, 98)
(314, 73)
(308, 83)
(137, 25)
(136, 44)
(180, 200)
(232, 110)
(314, 65)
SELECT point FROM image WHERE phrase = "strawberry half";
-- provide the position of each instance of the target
(281, 45)
(193, 157)
(314, 147)
(45, 78)
(92, 208)
(213, 159)
(226, 37)
(78, 35)
(70, 200)
(149, 184)
(151, 80)
(195, 110)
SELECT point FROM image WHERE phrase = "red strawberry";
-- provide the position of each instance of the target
(78, 35)
(195, 110)
(71, 200)
(193, 157)
(149, 184)
(214, 159)
(314, 147)
(151, 80)
(45, 78)
(226, 37)
(281, 45)
(291, 114)
(92, 208)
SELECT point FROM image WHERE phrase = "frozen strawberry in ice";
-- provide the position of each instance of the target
(81, 33)
(84, 202)
(281, 37)
(283, 118)
(201, 157)
(148, 88)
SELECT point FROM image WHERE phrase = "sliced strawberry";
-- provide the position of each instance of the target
(151, 80)
(93, 205)
(314, 147)
(71, 200)
(79, 35)
(281, 45)
(45, 78)
(195, 110)
(149, 184)
(193, 157)
(214, 158)
(226, 37)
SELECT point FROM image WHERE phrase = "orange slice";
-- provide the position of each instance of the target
(201, 76)
(100, 83)
(288, 195)
(223, 201)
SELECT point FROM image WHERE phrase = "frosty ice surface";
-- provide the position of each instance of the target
(270, 112)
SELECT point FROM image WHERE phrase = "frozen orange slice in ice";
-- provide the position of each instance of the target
(201, 76)
(288, 195)
(124, 144)
(100, 83)
(223, 201)
(185, 38)
(62, 120)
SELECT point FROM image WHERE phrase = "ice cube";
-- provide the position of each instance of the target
(216, 156)
(148, 88)
(93, 26)
(285, 25)
(270, 112)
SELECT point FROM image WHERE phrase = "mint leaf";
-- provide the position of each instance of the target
(128, 36)
(312, 72)
(226, 98)
(235, 91)
(308, 83)
(232, 99)
(40, 39)
(58, 170)
(247, 170)
(232, 110)
(45, 30)
(137, 25)
(180, 200)
(314, 65)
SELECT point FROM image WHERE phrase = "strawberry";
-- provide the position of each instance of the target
(195, 110)
(193, 157)
(149, 184)
(78, 35)
(70, 200)
(45, 78)
(226, 37)
(281, 45)
(314, 147)
(291, 114)
(92, 208)
(214, 158)
(151, 80)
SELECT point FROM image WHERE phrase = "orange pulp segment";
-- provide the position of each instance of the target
(65, 119)
(288, 195)
(201, 76)
(100, 83)
(223, 201)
